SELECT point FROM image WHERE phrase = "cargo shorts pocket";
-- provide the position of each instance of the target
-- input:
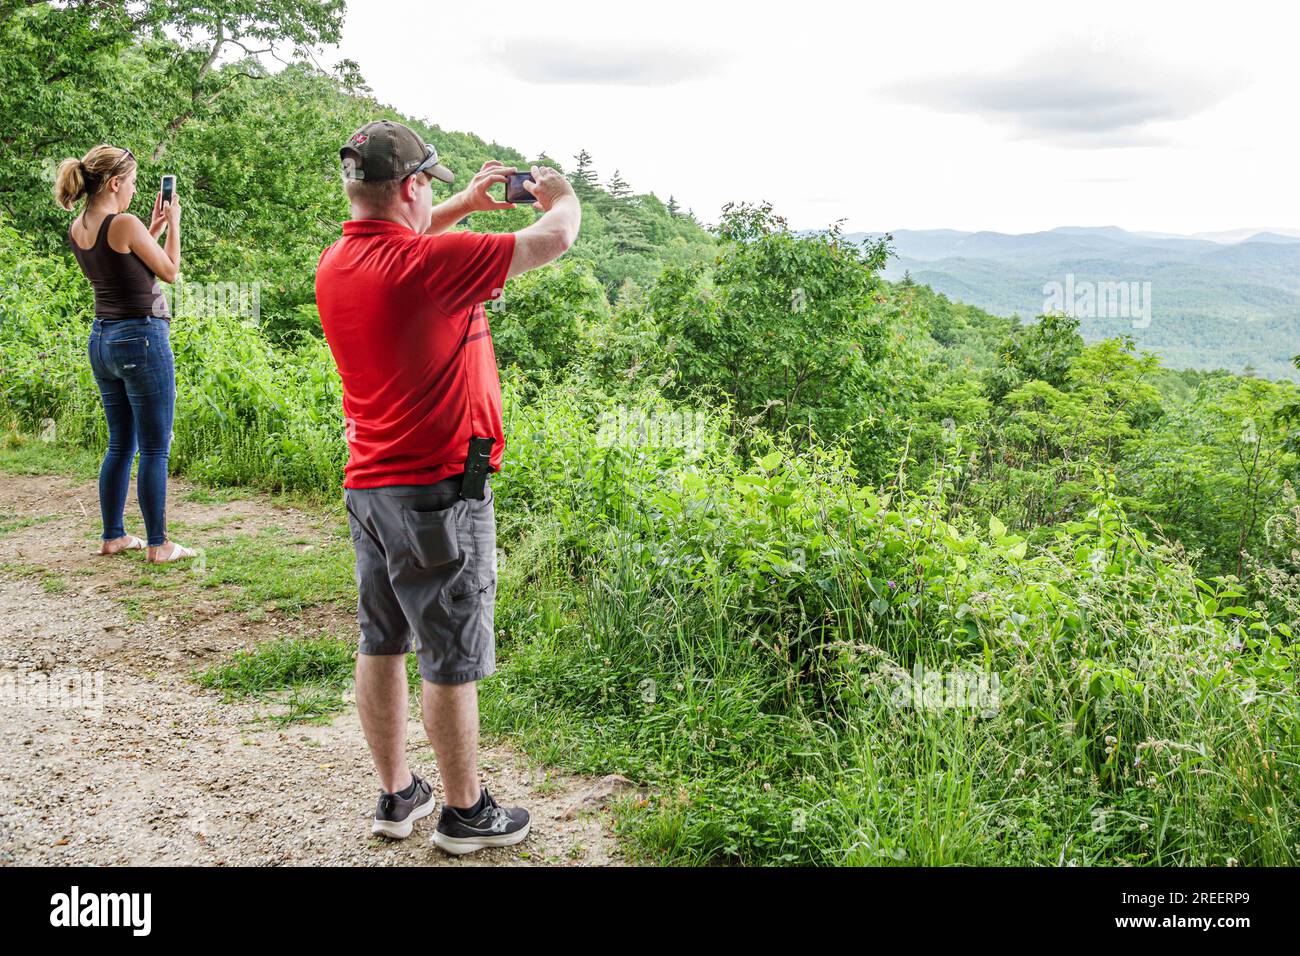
(432, 536)
(478, 549)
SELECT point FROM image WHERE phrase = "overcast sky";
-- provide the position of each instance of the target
(1177, 117)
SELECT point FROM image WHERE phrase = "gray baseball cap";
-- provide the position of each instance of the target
(385, 150)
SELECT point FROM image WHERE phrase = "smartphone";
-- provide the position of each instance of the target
(168, 189)
(515, 191)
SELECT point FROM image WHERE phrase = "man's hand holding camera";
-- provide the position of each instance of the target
(548, 186)
(475, 197)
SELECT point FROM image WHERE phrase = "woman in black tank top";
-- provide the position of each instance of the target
(130, 347)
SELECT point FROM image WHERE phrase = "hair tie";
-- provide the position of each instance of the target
(89, 181)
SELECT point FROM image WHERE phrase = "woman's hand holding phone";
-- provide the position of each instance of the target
(165, 214)
(172, 211)
(157, 219)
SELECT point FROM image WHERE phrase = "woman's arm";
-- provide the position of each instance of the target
(156, 219)
(163, 261)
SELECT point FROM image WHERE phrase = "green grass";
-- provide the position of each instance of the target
(53, 583)
(307, 679)
(321, 661)
(204, 495)
(277, 569)
(27, 455)
(132, 607)
(269, 570)
(11, 523)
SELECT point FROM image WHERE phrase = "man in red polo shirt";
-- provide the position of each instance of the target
(401, 304)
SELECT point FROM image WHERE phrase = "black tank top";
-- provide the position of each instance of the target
(125, 288)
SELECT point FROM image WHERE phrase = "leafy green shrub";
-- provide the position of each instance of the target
(545, 319)
(743, 636)
(788, 329)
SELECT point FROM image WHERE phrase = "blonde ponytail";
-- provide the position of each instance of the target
(88, 175)
(69, 184)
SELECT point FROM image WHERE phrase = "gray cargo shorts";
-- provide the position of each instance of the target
(426, 576)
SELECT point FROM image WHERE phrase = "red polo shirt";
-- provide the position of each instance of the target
(403, 315)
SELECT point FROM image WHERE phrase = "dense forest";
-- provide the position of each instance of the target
(1211, 305)
(743, 469)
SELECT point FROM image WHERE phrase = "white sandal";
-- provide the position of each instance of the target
(133, 544)
(179, 553)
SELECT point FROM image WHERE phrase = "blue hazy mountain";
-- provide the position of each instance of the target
(1222, 300)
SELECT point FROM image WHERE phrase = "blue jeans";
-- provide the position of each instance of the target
(136, 373)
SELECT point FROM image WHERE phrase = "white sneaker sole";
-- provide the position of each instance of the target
(462, 845)
(400, 830)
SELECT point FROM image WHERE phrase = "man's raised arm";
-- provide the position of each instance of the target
(550, 236)
(473, 198)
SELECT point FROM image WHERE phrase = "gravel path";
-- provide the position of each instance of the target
(144, 767)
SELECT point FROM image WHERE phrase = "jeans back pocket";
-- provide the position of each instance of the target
(127, 356)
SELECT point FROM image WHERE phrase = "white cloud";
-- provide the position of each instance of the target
(920, 115)
(1076, 94)
(604, 62)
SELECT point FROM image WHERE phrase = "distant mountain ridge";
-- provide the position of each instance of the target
(1218, 300)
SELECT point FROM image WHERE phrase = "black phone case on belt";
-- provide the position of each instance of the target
(474, 483)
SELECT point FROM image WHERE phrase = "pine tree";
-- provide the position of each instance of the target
(583, 178)
(673, 208)
(628, 233)
(618, 187)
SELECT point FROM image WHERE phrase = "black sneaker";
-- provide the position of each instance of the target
(494, 825)
(395, 813)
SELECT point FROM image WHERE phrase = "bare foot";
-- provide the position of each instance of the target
(128, 542)
(170, 551)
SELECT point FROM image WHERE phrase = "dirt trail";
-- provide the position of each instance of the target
(167, 773)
